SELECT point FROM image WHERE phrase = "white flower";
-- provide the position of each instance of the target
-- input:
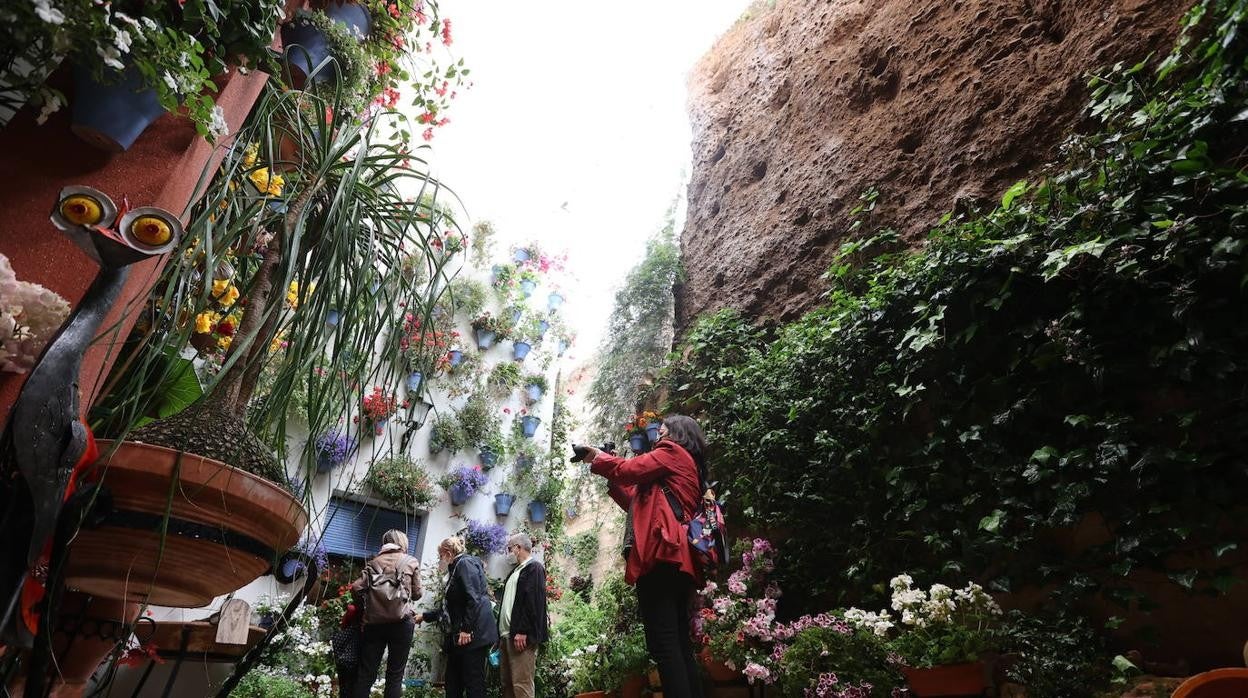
(901, 581)
(149, 23)
(184, 60)
(127, 19)
(110, 55)
(122, 40)
(218, 128)
(169, 81)
(51, 102)
(29, 315)
(47, 13)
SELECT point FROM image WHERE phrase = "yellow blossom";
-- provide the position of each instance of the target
(276, 344)
(292, 295)
(267, 183)
(203, 322)
(224, 342)
(219, 286)
(231, 295)
(249, 155)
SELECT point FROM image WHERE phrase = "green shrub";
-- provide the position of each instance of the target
(401, 481)
(257, 684)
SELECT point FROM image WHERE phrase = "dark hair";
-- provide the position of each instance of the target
(686, 433)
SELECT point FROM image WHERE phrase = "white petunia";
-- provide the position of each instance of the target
(121, 38)
(127, 19)
(48, 13)
(170, 82)
(218, 128)
(111, 57)
(51, 103)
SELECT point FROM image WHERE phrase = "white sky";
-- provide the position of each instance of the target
(575, 132)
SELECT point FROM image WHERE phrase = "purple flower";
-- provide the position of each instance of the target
(335, 446)
(485, 538)
(469, 478)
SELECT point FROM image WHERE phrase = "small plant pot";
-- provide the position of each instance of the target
(379, 426)
(455, 357)
(563, 346)
(502, 504)
(554, 301)
(715, 669)
(414, 380)
(111, 116)
(542, 327)
(965, 679)
(331, 317)
(652, 432)
(529, 425)
(488, 458)
(494, 272)
(534, 392)
(515, 316)
(485, 338)
(524, 462)
(435, 446)
(637, 442)
(527, 287)
(519, 350)
(459, 495)
(324, 462)
(537, 512)
(520, 256)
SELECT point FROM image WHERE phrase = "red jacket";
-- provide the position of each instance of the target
(660, 537)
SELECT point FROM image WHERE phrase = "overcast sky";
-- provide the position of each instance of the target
(575, 132)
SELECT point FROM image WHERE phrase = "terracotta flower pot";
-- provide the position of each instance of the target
(715, 669)
(592, 694)
(632, 687)
(949, 680)
(226, 527)
(1219, 683)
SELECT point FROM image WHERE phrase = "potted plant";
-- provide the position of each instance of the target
(546, 494)
(377, 408)
(313, 37)
(423, 348)
(446, 435)
(652, 422)
(525, 336)
(503, 502)
(463, 482)
(451, 243)
(528, 279)
(504, 378)
(534, 385)
(483, 538)
(529, 424)
(504, 278)
(635, 432)
(333, 448)
(478, 421)
(492, 449)
(525, 450)
(943, 635)
(488, 329)
(554, 300)
(401, 481)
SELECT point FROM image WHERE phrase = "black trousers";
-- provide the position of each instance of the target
(379, 637)
(465, 672)
(346, 679)
(663, 596)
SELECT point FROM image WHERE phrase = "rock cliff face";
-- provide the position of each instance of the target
(937, 103)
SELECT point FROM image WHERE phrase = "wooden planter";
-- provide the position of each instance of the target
(200, 638)
(948, 680)
(592, 694)
(1219, 683)
(225, 528)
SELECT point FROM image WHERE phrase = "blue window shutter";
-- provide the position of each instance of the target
(354, 530)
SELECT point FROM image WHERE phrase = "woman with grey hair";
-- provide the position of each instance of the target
(389, 583)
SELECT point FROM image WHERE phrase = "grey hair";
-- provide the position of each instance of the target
(395, 536)
(521, 539)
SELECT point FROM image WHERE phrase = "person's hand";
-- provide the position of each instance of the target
(520, 642)
(592, 454)
(417, 618)
(463, 639)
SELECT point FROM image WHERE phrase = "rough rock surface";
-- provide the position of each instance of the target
(936, 103)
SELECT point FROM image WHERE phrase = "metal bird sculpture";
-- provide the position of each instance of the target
(45, 444)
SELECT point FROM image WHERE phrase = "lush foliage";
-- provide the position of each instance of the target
(937, 626)
(834, 660)
(1070, 358)
(1060, 655)
(262, 683)
(596, 645)
(403, 482)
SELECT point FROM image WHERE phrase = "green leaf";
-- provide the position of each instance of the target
(1184, 579)
(1013, 193)
(1124, 665)
(992, 522)
(1223, 548)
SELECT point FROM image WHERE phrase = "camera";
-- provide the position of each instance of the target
(579, 452)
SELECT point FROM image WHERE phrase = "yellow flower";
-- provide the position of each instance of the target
(203, 322)
(267, 183)
(276, 344)
(231, 295)
(219, 286)
(292, 295)
(249, 155)
(224, 342)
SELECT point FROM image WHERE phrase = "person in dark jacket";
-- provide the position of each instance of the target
(522, 621)
(468, 620)
(388, 615)
(657, 557)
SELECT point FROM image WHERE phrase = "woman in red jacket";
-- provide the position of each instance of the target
(656, 547)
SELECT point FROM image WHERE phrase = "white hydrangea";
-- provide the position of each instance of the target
(29, 315)
(218, 128)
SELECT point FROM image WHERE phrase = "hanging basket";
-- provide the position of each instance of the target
(488, 458)
(965, 679)
(527, 288)
(112, 115)
(502, 504)
(537, 512)
(485, 338)
(459, 495)
(455, 357)
(226, 527)
(554, 301)
(534, 392)
(529, 425)
(637, 442)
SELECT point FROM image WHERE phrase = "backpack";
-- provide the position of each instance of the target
(705, 529)
(387, 591)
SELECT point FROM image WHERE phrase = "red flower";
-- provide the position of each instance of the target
(428, 134)
(446, 32)
(226, 328)
(394, 11)
(426, 118)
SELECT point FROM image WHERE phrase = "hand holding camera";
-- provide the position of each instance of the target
(588, 453)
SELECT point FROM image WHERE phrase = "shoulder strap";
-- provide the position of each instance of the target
(674, 503)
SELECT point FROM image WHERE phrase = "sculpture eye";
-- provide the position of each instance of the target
(150, 230)
(79, 206)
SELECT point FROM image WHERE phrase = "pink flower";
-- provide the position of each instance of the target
(428, 134)
(754, 671)
(446, 32)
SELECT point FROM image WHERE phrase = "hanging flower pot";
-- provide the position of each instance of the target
(537, 512)
(455, 357)
(542, 327)
(494, 272)
(379, 426)
(521, 256)
(324, 462)
(965, 679)
(637, 442)
(459, 494)
(563, 346)
(307, 46)
(515, 316)
(488, 458)
(652, 432)
(502, 503)
(520, 349)
(527, 287)
(534, 392)
(524, 462)
(225, 529)
(112, 115)
(413, 381)
(529, 424)
(485, 338)
(554, 301)
(331, 317)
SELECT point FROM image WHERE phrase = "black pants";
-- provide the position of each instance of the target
(465, 672)
(395, 637)
(346, 679)
(663, 596)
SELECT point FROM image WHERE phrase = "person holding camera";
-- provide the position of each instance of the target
(656, 549)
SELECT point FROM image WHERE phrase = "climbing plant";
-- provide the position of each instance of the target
(1071, 359)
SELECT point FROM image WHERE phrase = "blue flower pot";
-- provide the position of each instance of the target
(291, 568)
(485, 338)
(515, 316)
(537, 512)
(521, 255)
(267, 620)
(637, 442)
(331, 317)
(379, 427)
(456, 357)
(535, 392)
(524, 462)
(324, 462)
(112, 116)
(527, 288)
(488, 458)
(502, 503)
(459, 494)
(494, 272)
(652, 432)
(520, 350)
(413, 381)
(529, 424)
(554, 301)
(542, 327)
(563, 346)
(306, 49)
